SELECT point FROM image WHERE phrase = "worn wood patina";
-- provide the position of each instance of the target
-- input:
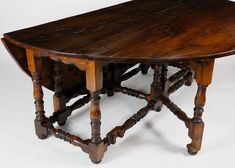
(90, 54)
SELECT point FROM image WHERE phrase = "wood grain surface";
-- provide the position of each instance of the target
(139, 31)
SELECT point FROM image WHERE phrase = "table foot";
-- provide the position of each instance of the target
(96, 152)
(158, 109)
(195, 133)
(110, 93)
(191, 149)
(62, 124)
(41, 131)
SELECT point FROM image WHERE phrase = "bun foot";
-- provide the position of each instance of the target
(110, 93)
(192, 150)
(40, 130)
(159, 109)
(96, 162)
(96, 152)
(42, 137)
(62, 123)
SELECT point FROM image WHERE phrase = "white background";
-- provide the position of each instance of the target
(157, 141)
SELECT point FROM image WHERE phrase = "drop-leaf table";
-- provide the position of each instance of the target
(90, 54)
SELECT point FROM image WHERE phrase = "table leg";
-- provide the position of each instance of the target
(156, 86)
(94, 82)
(144, 68)
(204, 71)
(58, 98)
(164, 71)
(34, 64)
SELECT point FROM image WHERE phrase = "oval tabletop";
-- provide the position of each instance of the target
(141, 31)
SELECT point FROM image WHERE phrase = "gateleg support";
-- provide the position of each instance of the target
(203, 71)
(34, 66)
(58, 98)
(94, 83)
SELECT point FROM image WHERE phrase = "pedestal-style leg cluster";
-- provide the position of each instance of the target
(161, 88)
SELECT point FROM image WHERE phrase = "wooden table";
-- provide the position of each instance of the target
(90, 53)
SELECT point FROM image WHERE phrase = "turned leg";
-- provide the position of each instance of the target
(204, 71)
(94, 80)
(109, 71)
(34, 68)
(196, 125)
(156, 86)
(144, 68)
(58, 98)
(164, 75)
(189, 79)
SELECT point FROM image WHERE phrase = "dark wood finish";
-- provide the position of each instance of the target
(131, 73)
(91, 54)
(177, 80)
(62, 114)
(95, 118)
(156, 87)
(69, 73)
(72, 139)
(73, 80)
(164, 71)
(144, 68)
(59, 97)
(132, 92)
(94, 83)
(180, 82)
(189, 78)
(203, 71)
(119, 131)
(146, 31)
